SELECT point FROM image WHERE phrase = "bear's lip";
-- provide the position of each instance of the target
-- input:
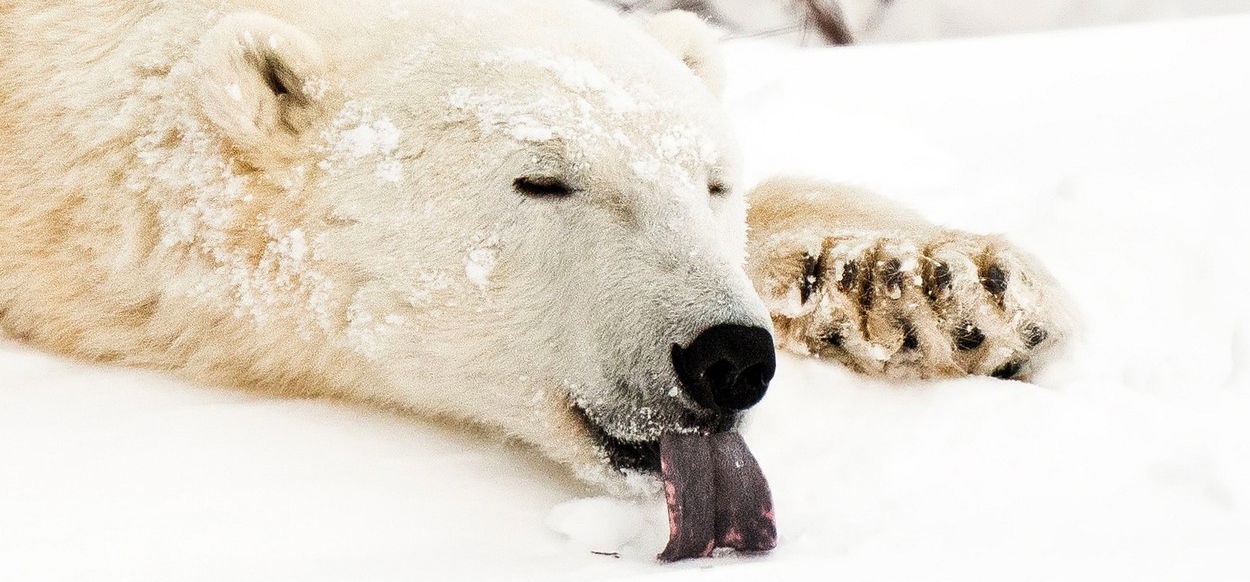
(644, 456)
(641, 456)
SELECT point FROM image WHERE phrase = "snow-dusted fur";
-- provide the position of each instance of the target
(319, 198)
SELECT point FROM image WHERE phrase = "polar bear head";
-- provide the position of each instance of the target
(538, 228)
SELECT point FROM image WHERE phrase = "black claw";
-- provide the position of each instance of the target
(1008, 371)
(968, 337)
(994, 279)
(867, 294)
(812, 266)
(892, 276)
(850, 272)
(833, 338)
(939, 280)
(1034, 335)
(910, 341)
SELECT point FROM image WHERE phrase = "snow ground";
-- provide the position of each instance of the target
(1116, 155)
(905, 20)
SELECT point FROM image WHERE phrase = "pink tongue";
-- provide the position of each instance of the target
(717, 496)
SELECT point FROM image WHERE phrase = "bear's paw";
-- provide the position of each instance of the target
(948, 305)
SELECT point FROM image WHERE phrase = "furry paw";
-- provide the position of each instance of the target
(941, 305)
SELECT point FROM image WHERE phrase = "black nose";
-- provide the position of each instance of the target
(727, 367)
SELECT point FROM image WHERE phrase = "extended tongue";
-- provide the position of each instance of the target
(716, 495)
(744, 505)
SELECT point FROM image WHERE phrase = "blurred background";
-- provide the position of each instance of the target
(823, 22)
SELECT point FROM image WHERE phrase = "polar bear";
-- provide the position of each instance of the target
(523, 214)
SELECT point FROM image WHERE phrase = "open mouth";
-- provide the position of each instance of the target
(716, 494)
(623, 455)
(644, 456)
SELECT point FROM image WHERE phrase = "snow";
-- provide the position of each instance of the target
(590, 113)
(929, 19)
(578, 75)
(357, 133)
(480, 263)
(201, 198)
(1117, 158)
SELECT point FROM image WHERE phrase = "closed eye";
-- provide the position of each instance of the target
(717, 188)
(542, 187)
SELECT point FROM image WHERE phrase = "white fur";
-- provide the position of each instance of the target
(317, 198)
(357, 232)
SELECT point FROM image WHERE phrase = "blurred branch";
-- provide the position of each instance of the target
(830, 21)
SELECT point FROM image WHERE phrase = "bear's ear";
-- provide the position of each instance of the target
(694, 42)
(262, 84)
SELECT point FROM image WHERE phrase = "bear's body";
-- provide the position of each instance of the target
(498, 211)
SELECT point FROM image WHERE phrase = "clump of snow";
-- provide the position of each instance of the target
(427, 285)
(366, 333)
(576, 74)
(389, 171)
(610, 525)
(316, 87)
(530, 120)
(372, 323)
(591, 114)
(879, 352)
(532, 132)
(203, 202)
(356, 134)
(481, 261)
(378, 136)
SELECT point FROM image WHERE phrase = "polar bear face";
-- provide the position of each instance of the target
(518, 227)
